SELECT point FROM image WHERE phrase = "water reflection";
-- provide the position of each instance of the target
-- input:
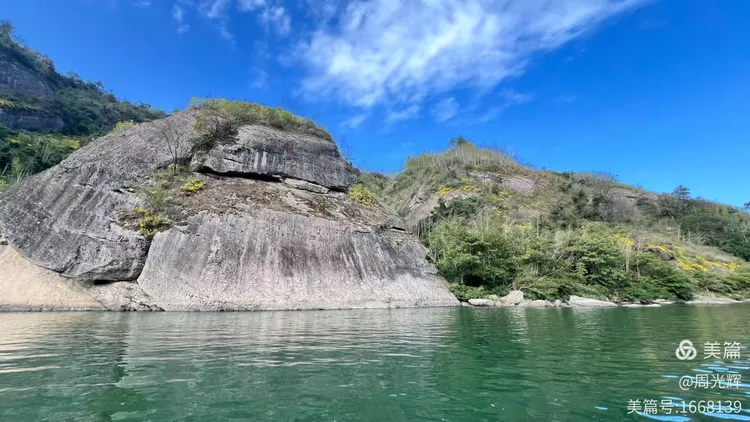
(426, 364)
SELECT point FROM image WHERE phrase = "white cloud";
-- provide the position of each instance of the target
(507, 98)
(514, 98)
(178, 14)
(408, 113)
(143, 4)
(355, 121)
(250, 5)
(391, 52)
(259, 78)
(277, 17)
(214, 9)
(445, 109)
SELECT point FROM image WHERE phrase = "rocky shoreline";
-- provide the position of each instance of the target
(515, 298)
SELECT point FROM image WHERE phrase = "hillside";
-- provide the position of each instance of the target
(44, 115)
(492, 224)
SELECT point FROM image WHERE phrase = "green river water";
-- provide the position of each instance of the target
(448, 364)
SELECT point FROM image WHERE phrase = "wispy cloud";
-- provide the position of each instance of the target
(395, 116)
(250, 5)
(259, 78)
(445, 109)
(143, 4)
(178, 14)
(355, 121)
(277, 17)
(506, 98)
(390, 53)
(568, 98)
(219, 14)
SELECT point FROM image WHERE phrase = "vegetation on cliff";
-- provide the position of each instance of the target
(499, 225)
(85, 108)
(219, 119)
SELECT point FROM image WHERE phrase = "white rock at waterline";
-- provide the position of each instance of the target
(641, 305)
(536, 304)
(584, 302)
(512, 299)
(481, 302)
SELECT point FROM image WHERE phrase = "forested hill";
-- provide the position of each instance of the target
(492, 224)
(45, 115)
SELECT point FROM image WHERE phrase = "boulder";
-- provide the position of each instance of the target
(557, 303)
(3, 240)
(513, 298)
(536, 304)
(273, 153)
(584, 302)
(481, 302)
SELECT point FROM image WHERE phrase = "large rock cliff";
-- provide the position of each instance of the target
(17, 80)
(272, 229)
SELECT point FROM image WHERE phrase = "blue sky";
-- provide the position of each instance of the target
(655, 92)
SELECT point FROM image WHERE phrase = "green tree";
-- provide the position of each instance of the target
(681, 192)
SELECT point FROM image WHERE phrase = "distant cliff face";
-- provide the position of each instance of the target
(16, 79)
(273, 228)
(19, 81)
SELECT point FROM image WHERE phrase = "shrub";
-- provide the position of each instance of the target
(219, 119)
(121, 127)
(151, 224)
(144, 221)
(362, 195)
(193, 186)
(464, 292)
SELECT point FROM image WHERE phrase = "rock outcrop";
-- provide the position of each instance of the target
(65, 218)
(16, 79)
(246, 241)
(30, 119)
(273, 153)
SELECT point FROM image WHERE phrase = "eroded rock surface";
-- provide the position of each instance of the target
(275, 260)
(270, 152)
(245, 241)
(65, 218)
(30, 120)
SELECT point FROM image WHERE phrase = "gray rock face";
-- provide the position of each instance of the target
(275, 153)
(303, 185)
(18, 80)
(65, 219)
(240, 243)
(30, 120)
(275, 260)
